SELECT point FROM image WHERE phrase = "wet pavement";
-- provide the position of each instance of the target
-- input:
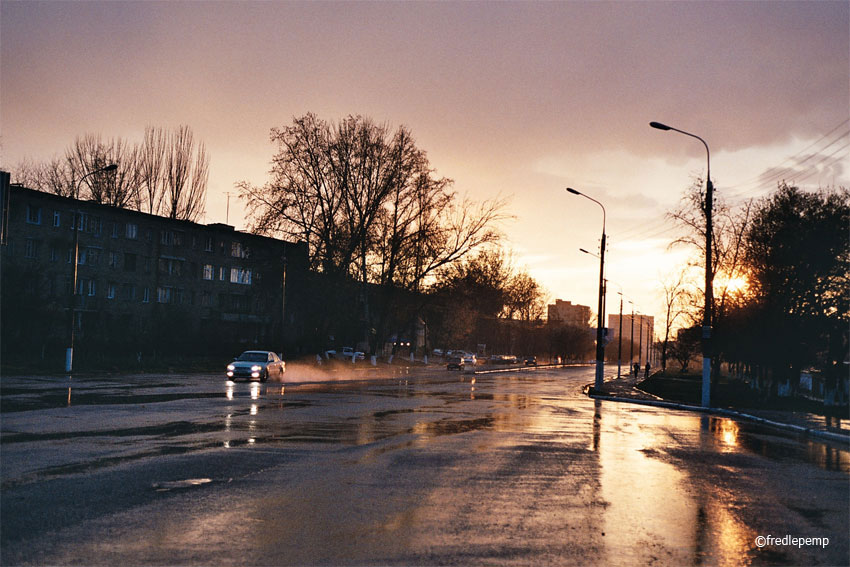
(430, 468)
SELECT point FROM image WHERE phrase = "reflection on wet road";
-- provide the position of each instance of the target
(423, 468)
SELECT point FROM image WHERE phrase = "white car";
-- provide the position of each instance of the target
(469, 362)
(348, 353)
(256, 365)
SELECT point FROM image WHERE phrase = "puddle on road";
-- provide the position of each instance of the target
(180, 484)
(656, 513)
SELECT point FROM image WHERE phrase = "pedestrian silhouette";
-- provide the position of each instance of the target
(636, 369)
(646, 374)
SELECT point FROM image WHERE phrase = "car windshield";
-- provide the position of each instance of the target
(253, 357)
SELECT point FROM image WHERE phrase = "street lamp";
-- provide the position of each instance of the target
(709, 275)
(632, 337)
(620, 337)
(69, 352)
(600, 347)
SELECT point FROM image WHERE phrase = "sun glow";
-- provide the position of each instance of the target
(738, 284)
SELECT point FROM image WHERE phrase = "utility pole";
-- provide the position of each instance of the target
(709, 268)
(600, 312)
(640, 344)
(632, 338)
(620, 338)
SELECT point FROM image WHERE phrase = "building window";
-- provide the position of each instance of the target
(171, 266)
(240, 276)
(206, 298)
(167, 294)
(31, 248)
(236, 250)
(171, 238)
(131, 231)
(116, 230)
(222, 274)
(33, 214)
(209, 272)
(89, 224)
(163, 295)
(146, 295)
(57, 219)
(129, 262)
(114, 260)
(90, 256)
(110, 291)
(128, 292)
(86, 287)
(209, 244)
(54, 254)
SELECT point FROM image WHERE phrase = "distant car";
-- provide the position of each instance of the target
(454, 363)
(530, 361)
(256, 365)
(469, 360)
(348, 353)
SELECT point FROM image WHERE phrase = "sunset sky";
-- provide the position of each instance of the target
(511, 99)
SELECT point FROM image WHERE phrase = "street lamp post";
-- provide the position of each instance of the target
(709, 272)
(632, 337)
(620, 337)
(69, 352)
(640, 345)
(600, 347)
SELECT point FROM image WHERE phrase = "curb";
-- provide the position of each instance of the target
(829, 435)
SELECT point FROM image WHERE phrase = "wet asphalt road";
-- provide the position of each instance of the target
(430, 468)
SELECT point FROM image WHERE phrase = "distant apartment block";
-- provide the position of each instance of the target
(144, 283)
(566, 313)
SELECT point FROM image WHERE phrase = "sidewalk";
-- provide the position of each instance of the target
(625, 389)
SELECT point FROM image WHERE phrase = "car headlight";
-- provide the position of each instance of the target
(256, 368)
(231, 367)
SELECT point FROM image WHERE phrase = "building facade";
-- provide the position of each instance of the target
(566, 313)
(144, 284)
(639, 329)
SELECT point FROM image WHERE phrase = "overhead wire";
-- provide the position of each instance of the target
(758, 178)
(758, 185)
(801, 169)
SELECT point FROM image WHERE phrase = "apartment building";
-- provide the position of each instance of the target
(567, 313)
(144, 283)
(640, 329)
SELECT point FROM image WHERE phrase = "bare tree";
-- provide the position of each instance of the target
(674, 293)
(151, 165)
(89, 153)
(186, 174)
(54, 176)
(166, 175)
(729, 227)
(367, 203)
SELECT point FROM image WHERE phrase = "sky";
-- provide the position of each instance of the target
(508, 99)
